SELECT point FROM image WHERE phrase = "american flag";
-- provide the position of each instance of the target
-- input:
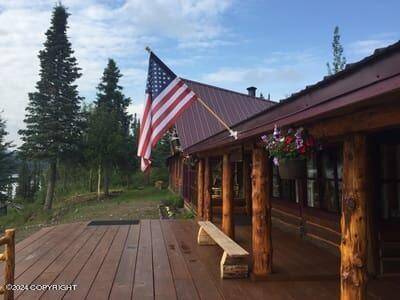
(167, 96)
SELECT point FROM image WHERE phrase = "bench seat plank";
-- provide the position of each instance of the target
(231, 248)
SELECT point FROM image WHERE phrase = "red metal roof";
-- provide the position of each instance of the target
(197, 124)
(372, 76)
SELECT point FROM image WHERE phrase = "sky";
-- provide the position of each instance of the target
(277, 46)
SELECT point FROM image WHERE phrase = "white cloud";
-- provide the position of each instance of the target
(366, 47)
(98, 30)
(278, 73)
(253, 76)
(137, 109)
(276, 67)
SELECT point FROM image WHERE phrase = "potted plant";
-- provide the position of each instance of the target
(289, 151)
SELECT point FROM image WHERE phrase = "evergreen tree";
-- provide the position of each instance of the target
(7, 166)
(339, 61)
(53, 119)
(104, 140)
(108, 135)
(110, 96)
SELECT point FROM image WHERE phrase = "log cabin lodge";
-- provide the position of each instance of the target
(348, 201)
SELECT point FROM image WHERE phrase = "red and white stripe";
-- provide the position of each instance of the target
(160, 114)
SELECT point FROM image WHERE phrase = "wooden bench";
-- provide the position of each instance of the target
(234, 260)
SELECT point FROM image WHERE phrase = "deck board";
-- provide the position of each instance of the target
(51, 273)
(163, 281)
(123, 282)
(143, 287)
(89, 272)
(101, 287)
(68, 275)
(162, 260)
(47, 259)
(184, 285)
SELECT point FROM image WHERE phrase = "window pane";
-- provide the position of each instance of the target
(329, 196)
(398, 162)
(288, 190)
(340, 163)
(312, 167)
(312, 193)
(385, 196)
(275, 182)
(328, 164)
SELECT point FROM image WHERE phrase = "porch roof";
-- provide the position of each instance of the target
(359, 83)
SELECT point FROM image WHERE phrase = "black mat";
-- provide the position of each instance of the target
(113, 222)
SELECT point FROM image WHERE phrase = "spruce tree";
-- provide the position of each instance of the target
(108, 135)
(339, 61)
(110, 96)
(7, 167)
(53, 119)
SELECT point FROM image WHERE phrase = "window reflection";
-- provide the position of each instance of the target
(324, 179)
(390, 182)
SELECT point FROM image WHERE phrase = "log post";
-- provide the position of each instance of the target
(261, 219)
(9, 257)
(353, 248)
(227, 197)
(247, 184)
(207, 212)
(200, 188)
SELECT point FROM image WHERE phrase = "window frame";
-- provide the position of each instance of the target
(334, 148)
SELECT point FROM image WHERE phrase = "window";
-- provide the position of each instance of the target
(390, 182)
(283, 188)
(324, 179)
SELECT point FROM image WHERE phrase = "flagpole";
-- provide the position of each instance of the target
(232, 133)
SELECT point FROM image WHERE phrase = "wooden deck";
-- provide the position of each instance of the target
(161, 260)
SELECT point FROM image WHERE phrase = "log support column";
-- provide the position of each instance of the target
(200, 188)
(207, 210)
(227, 197)
(353, 248)
(261, 219)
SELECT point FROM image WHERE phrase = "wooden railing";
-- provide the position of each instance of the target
(8, 256)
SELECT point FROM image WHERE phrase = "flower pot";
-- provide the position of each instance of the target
(292, 168)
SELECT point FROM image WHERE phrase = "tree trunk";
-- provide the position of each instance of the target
(91, 180)
(35, 184)
(99, 182)
(128, 181)
(106, 187)
(200, 188)
(227, 197)
(147, 176)
(353, 248)
(207, 190)
(261, 220)
(51, 183)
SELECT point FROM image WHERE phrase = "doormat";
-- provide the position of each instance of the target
(113, 222)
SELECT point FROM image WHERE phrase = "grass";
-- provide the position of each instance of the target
(130, 204)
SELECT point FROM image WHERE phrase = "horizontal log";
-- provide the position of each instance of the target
(370, 119)
(233, 267)
(4, 240)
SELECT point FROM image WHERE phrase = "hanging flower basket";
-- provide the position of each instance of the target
(289, 151)
(292, 169)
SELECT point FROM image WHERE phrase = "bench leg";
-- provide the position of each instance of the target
(203, 238)
(233, 267)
